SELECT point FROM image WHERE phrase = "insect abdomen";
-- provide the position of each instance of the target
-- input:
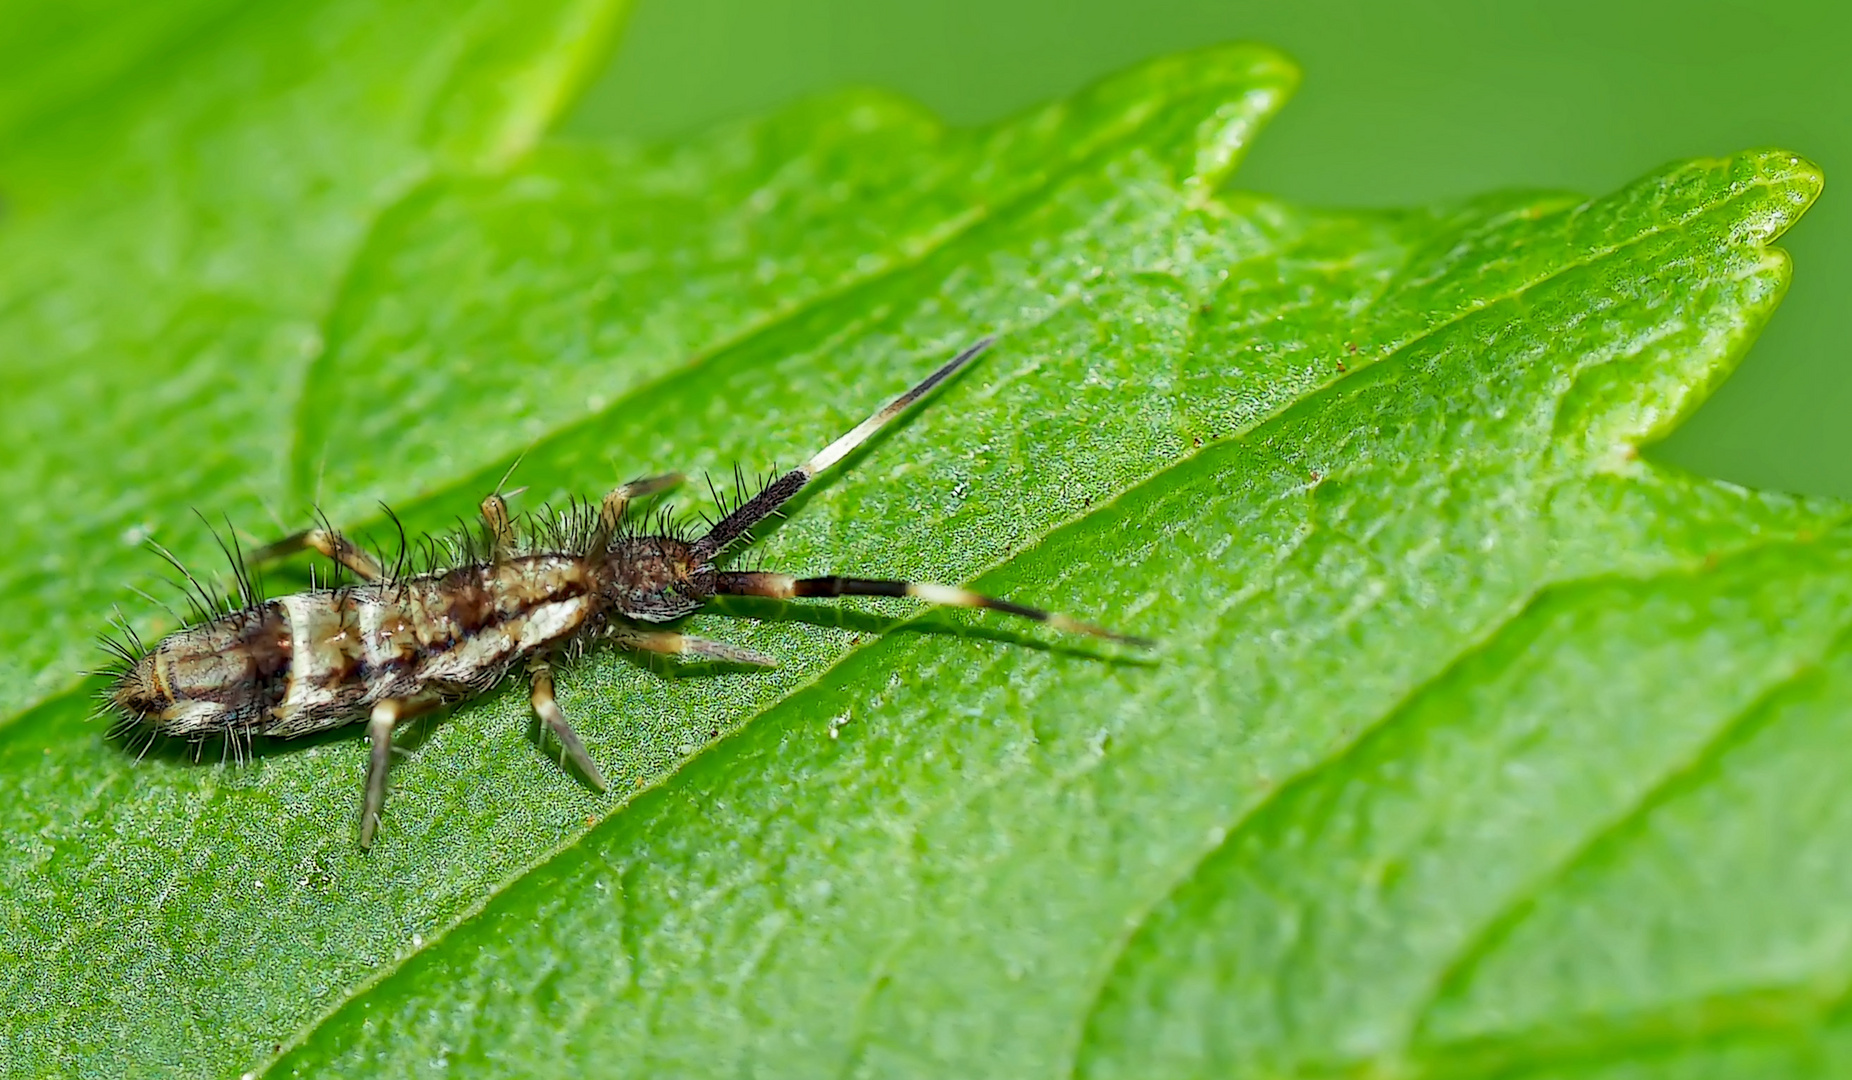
(317, 660)
(224, 675)
(445, 634)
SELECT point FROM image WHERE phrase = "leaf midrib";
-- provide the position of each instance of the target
(1676, 779)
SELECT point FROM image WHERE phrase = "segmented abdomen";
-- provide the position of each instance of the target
(317, 660)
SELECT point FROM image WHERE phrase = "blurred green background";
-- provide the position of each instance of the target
(1402, 104)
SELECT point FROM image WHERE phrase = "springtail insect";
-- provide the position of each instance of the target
(394, 646)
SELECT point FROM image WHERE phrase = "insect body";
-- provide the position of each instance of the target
(395, 646)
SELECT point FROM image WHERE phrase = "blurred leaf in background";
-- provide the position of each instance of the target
(1479, 743)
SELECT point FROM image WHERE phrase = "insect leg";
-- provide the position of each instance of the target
(611, 513)
(767, 502)
(501, 530)
(673, 644)
(784, 586)
(329, 543)
(386, 716)
(554, 718)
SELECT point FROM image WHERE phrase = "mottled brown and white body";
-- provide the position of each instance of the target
(320, 659)
(389, 648)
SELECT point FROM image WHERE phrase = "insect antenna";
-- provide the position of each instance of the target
(761, 506)
(785, 587)
(730, 502)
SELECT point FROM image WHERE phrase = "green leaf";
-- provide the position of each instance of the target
(1452, 684)
(170, 243)
(931, 859)
(514, 305)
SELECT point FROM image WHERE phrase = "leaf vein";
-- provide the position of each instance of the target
(1676, 780)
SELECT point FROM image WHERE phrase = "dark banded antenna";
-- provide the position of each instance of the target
(767, 502)
(784, 586)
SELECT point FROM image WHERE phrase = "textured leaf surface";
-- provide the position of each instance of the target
(1467, 726)
(172, 236)
(170, 244)
(1459, 631)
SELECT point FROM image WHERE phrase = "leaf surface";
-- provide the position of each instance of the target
(1452, 680)
(172, 239)
(1431, 629)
